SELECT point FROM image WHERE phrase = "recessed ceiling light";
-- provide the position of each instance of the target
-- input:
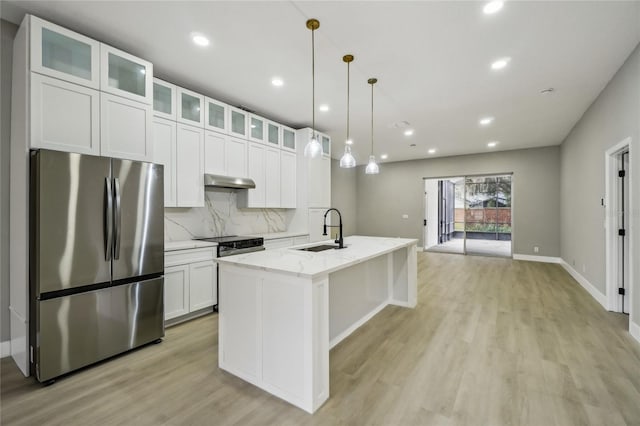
(492, 144)
(324, 107)
(349, 142)
(485, 121)
(199, 39)
(492, 7)
(408, 132)
(432, 151)
(500, 63)
(277, 82)
(384, 156)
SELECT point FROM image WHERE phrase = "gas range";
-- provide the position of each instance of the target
(234, 244)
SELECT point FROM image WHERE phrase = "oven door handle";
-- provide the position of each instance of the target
(238, 251)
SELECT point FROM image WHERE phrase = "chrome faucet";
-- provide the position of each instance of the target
(339, 240)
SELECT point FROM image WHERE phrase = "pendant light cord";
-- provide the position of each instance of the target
(348, 88)
(313, 84)
(371, 118)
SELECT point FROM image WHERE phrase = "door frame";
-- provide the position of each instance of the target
(612, 245)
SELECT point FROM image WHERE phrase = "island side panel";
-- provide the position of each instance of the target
(403, 277)
(356, 294)
(282, 346)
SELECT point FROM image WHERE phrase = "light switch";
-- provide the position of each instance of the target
(405, 216)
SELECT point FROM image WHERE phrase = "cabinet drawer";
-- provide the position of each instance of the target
(182, 257)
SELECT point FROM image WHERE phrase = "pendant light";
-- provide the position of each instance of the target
(347, 161)
(313, 148)
(372, 168)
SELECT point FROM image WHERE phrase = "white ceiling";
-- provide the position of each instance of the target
(431, 59)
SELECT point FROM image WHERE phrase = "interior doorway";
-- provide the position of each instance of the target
(469, 215)
(619, 204)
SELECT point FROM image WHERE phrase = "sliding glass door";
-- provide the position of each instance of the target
(488, 215)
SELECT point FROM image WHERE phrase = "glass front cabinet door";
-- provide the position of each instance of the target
(190, 107)
(238, 122)
(288, 139)
(215, 113)
(273, 133)
(326, 145)
(64, 54)
(256, 128)
(164, 99)
(125, 75)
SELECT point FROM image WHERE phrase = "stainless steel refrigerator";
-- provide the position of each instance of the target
(96, 259)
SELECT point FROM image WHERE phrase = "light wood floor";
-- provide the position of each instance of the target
(492, 342)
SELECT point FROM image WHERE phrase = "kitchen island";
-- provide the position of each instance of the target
(282, 310)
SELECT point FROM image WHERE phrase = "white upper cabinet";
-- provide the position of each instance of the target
(164, 152)
(238, 122)
(273, 135)
(190, 107)
(215, 113)
(288, 139)
(190, 166)
(125, 75)
(288, 180)
(125, 128)
(256, 162)
(64, 54)
(256, 128)
(215, 153)
(236, 157)
(272, 178)
(164, 99)
(64, 116)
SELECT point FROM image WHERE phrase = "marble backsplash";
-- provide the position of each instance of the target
(221, 216)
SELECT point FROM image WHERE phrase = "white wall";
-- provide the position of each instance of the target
(613, 116)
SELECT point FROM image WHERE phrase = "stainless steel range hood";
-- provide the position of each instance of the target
(219, 181)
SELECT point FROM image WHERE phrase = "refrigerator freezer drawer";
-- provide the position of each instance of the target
(78, 330)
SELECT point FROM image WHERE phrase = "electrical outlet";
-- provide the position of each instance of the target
(536, 249)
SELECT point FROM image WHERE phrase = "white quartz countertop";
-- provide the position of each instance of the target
(276, 235)
(310, 264)
(187, 244)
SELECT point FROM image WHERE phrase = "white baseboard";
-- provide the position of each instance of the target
(594, 292)
(531, 258)
(5, 348)
(634, 330)
(340, 337)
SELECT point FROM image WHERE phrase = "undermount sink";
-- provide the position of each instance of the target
(321, 247)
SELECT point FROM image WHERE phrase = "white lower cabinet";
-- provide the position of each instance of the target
(64, 116)
(176, 291)
(190, 281)
(125, 128)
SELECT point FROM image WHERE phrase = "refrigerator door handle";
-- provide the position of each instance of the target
(117, 219)
(108, 220)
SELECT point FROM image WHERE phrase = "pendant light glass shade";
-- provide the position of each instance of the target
(372, 167)
(347, 160)
(313, 149)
